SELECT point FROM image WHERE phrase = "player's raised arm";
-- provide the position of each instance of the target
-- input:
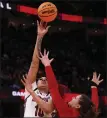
(60, 105)
(46, 62)
(94, 83)
(41, 31)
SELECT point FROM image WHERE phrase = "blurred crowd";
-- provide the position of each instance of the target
(76, 57)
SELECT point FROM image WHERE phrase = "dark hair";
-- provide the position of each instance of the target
(40, 74)
(87, 108)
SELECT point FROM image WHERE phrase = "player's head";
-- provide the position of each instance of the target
(42, 83)
(41, 80)
(84, 105)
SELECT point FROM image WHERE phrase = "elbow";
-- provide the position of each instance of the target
(48, 110)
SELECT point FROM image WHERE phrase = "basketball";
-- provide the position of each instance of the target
(47, 12)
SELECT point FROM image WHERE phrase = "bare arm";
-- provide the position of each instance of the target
(32, 73)
(41, 31)
(47, 107)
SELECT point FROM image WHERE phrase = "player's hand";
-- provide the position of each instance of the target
(44, 58)
(96, 79)
(42, 28)
(27, 84)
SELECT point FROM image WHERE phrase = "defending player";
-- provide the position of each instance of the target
(71, 106)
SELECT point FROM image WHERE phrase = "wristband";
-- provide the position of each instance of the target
(93, 84)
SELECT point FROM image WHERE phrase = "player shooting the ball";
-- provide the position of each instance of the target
(38, 102)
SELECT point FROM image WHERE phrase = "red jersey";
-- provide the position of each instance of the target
(61, 106)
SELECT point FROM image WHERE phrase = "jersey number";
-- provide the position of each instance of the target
(38, 112)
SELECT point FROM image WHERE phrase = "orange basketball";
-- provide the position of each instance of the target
(47, 11)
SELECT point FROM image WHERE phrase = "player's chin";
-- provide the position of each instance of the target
(44, 86)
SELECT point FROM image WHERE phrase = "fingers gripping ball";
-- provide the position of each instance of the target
(47, 12)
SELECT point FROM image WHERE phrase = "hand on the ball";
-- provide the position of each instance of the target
(41, 29)
(44, 58)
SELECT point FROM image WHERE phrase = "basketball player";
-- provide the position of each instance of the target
(43, 105)
(79, 105)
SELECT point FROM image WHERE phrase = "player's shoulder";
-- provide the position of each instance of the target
(27, 94)
(34, 85)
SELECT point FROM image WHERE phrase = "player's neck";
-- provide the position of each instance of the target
(43, 91)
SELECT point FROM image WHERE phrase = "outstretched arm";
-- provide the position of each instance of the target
(58, 101)
(46, 62)
(94, 96)
(95, 83)
(41, 31)
(60, 105)
(32, 73)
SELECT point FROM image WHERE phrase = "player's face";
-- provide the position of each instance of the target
(42, 83)
(74, 103)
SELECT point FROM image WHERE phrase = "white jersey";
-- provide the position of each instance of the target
(31, 107)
